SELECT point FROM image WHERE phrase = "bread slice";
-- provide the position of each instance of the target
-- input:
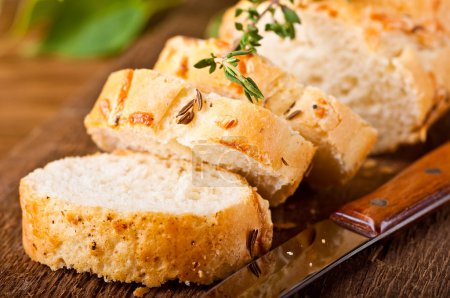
(138, 110)
(387, 60)
(139, 218)
(343, 139)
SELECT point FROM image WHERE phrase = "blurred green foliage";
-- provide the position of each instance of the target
(86, 28)
(212, 30)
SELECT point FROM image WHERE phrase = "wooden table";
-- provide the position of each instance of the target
(415, 263)
(32, 89)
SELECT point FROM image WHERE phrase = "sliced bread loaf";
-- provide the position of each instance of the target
(144, 110)
(387, 60)
(139, 218)
(343, 139)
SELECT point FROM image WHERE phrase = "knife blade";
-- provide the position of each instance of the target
(415, 192)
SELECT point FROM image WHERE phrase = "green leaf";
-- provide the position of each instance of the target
(231, 75)
(212, 30)
(252, 28)
(86, 28)
(34, 12)
(254, 88)
(290, 30)
(233, 61)
(253, 14)
(212, 68)
(250, 87)
(276, 28)
(204, 63)
(289, 15)
(238, 53)
(272, 11)
(248, 95)
(238, 26)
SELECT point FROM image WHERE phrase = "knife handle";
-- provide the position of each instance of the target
(420, 188)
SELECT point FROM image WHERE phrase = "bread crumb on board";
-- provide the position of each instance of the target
(141, 291)
(369, 163)
(387, 170)
(284, 225)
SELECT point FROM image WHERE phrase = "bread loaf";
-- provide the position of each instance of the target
(387, 60)
(343, 139)
(138, 218)
(144, 110)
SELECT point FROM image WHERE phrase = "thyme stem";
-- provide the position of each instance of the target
(248, 43)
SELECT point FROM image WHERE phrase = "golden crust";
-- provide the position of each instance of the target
(342, 137)
(413, 17)
(393, 14)
(423, 23)
(146, 247)
(256, 133)
(419, 28)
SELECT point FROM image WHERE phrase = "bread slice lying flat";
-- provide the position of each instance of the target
(138, 110)
(139, 218)
(387, 60)
(343, 139)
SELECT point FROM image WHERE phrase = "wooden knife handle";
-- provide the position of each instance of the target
(417, 190)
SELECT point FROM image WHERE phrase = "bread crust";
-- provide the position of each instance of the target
(146, 247)
(342, 137)
(258, 138)
(414, 35)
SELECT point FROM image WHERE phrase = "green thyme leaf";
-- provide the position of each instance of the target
(231, 75)
(212, 68)
(253, 14)
(237, 53)
(289, 15)
(204, 63)
(251, 90)
(249, 42)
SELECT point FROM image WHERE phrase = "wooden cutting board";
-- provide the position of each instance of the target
(415, 263)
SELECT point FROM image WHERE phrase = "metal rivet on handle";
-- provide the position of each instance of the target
(380, 202)
(433, 171)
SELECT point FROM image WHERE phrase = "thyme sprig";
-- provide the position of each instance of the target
(249, 41)
(229, 64)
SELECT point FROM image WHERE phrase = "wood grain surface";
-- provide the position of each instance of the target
(416, 263)
(32, 89)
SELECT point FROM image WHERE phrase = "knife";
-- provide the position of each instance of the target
(415, 192)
